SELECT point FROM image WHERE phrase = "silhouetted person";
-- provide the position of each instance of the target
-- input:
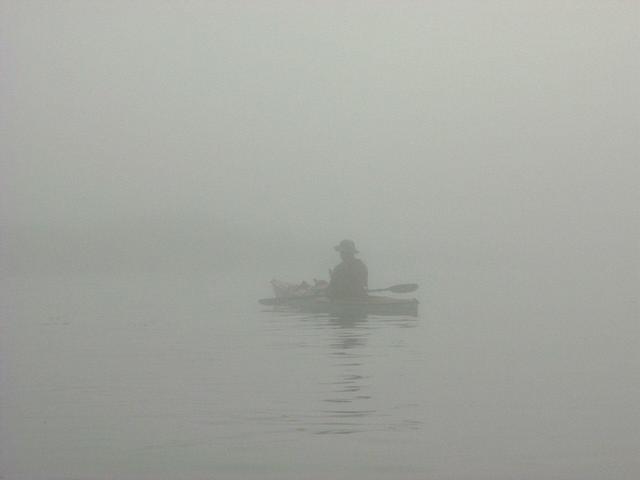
(350, 278)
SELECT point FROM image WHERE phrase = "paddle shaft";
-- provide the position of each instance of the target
(402, 288)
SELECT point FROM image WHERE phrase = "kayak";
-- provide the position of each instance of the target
(303, 289)
(373, 305)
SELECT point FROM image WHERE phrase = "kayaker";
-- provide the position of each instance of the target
(350, 278)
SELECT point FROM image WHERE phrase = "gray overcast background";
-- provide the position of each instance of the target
(160, 162)
(279, 125)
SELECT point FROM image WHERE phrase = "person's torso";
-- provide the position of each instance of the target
(349, 279)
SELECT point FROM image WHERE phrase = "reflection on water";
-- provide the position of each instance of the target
(346, 402)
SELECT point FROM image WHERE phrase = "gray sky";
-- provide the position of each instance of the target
(161, 161)
(395, 123)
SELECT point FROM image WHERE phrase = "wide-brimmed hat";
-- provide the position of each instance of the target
(347, 246)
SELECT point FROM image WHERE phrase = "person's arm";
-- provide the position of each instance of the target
(361, 278)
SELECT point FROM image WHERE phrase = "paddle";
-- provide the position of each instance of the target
(402, 288)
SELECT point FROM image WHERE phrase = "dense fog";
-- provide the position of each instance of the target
(232, 127)
(162, 161)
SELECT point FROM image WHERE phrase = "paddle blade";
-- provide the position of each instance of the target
(404, 288)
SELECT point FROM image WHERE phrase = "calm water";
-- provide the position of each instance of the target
(176, 377)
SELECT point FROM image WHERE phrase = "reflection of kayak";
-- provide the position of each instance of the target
(373, 305)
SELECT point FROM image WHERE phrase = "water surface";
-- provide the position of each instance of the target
(165, 377)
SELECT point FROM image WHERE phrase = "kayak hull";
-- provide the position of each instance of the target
(373, 305)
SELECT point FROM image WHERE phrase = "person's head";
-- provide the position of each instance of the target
(347, 249)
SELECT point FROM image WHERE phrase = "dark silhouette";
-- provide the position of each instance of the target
(350, 278)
